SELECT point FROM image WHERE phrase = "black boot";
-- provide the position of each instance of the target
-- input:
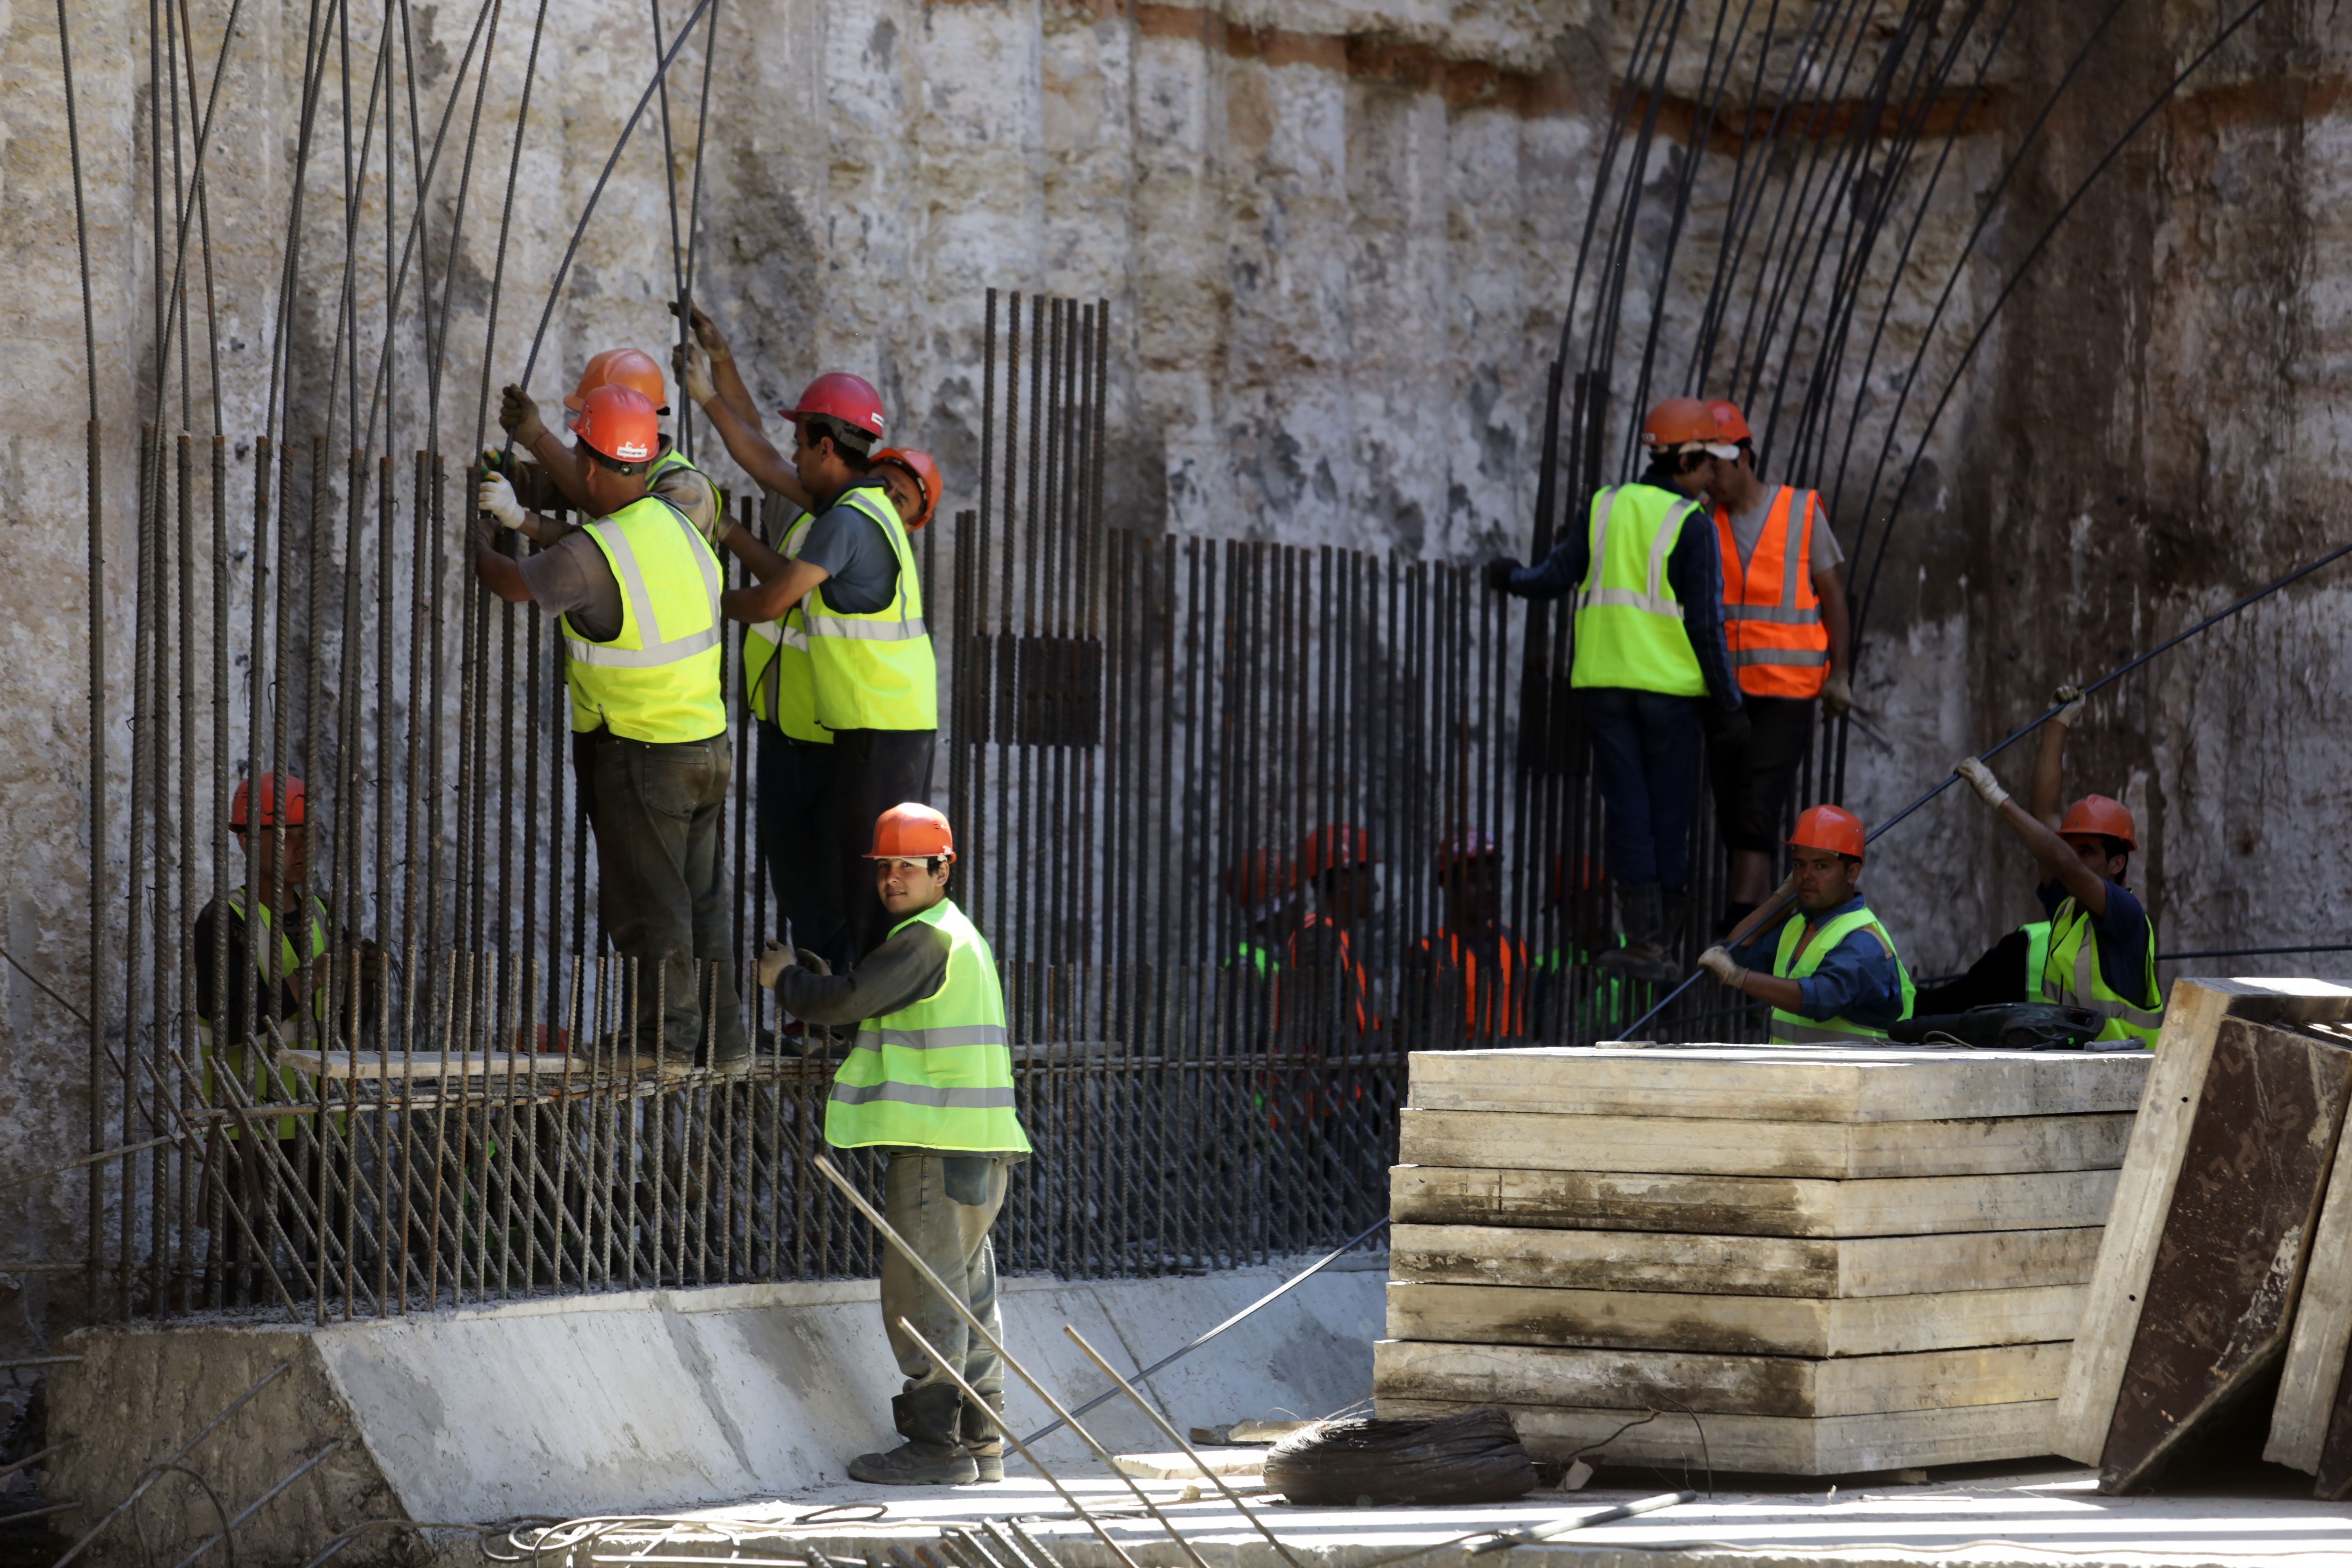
(983, 1436)
(1641, 907)
(933, 1454)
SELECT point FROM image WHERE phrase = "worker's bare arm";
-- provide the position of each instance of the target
(2057, 858)
(726, 377)
(497, 573)
(769, 598)
(2050, 774)
(753, 452)
(753, 552)
(1829, 588)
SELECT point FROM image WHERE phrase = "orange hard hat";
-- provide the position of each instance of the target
(241, 808)
(1258, 876)
(1681, 422)
(1335, 847)
(1731, 425)
(2095, 814)
(632, 368)
(1829, 827)
(1470, 844)
(910, 831)
(618, 423)
(926, 475)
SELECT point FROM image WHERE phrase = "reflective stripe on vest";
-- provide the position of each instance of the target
(937, 1074)
(875, 671)
(1500, 1010)
(1629, 625)
(1795, 1028)
(658, 681)
(1771, 616)
(776, 669)
(2037, 954)
(2071, 977)
(250, 1069)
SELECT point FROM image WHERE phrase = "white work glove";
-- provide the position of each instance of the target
(1981, 778)
(1717, 961)
(693, 366)
(1837, 694)
(775, 957)
(497, 498)
(2070, 700)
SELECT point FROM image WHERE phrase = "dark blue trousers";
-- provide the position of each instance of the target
(1645, 748)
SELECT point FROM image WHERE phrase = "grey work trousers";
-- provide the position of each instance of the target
(943, 1204)
(662, 881)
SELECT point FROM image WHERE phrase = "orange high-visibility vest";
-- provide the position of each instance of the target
(1492, 1005)
(1771, 616)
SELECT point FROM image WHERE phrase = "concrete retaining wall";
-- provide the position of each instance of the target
(653, 1399)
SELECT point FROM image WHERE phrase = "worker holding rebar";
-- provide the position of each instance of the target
(636, 592)
(1829, 969)
(557, 478)
(1337, 863)
(2098, 950)
(1650, 667)
(928, 1082)
(1785, 622)
(276, 935)
(1473, 952)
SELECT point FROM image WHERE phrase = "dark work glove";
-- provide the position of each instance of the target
(1498, 574)
(1727, 728)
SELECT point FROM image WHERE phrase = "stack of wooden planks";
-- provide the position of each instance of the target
(1804, 1260)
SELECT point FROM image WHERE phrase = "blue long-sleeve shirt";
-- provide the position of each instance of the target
(1694, 568)
(1858, 980)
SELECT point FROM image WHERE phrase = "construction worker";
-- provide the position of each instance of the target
(1784, 619)
(557, 480)
(649, 723)
(2100, 950)
(1650, 665)
(1835, 975)
(1264, 886)
(1336, 861)
(285, 945)
(928, 1080)
(1472, 948)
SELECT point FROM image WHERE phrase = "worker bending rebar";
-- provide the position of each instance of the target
(928, 1082)
(636, 591)
(1650, 667)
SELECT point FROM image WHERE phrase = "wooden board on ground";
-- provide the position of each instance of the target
(1780, 1083)
(1731, 1325)
(2311, 1382)
(1740, 1265)
(2229, 1261)
(1716, 1384)
(1771, 1445)
(1723, 1147)
(395, 1065)
(1748, 1205)
(2192, 1020)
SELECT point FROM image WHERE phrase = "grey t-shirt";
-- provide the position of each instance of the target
(570, 577)
(861, 569)
(1748, 527)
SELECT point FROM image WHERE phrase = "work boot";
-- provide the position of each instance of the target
(933, 1454)
(1641, 908)
(983, 1436)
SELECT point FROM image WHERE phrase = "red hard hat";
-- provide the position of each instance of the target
(1731, 425)
(1258, 876)
(912, 832)
(1680, 422)
(1829, 827)
(2098, 814)
(619, 423)
(1335, 847)
(849, 401)
(926, 475)
(1470, 844)
(241, 808)
(632, 368)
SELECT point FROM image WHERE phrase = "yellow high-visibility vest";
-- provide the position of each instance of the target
(776, 667)
(1796, 1029)
(658, 681)
(2071, 977)
(1629, 624)
(875, 671)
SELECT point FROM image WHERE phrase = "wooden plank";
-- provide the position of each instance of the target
(1722, 1147)
(2230, 1258)
(1716, 1384)
(1780, 1083)
(1740, 1265)
(1748, 1205)
(374, 1065)
(2192, 1020)
(1732, 1325)
(2311, 1381)
(1773, 1445)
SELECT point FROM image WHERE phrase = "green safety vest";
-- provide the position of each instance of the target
(937, 1074)
(658, 680)
(2071, 976)
(1629, 625)
(2037, 954)
(875, 671)
(1796, 1029)
(776, 669)
(255, 1075)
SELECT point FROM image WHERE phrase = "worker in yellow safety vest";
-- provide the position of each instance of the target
(2100, 951)
(638, 593)
(928, 1080)
(1834, 976)
(258, 956)
(558, 476)
(1650, 667)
